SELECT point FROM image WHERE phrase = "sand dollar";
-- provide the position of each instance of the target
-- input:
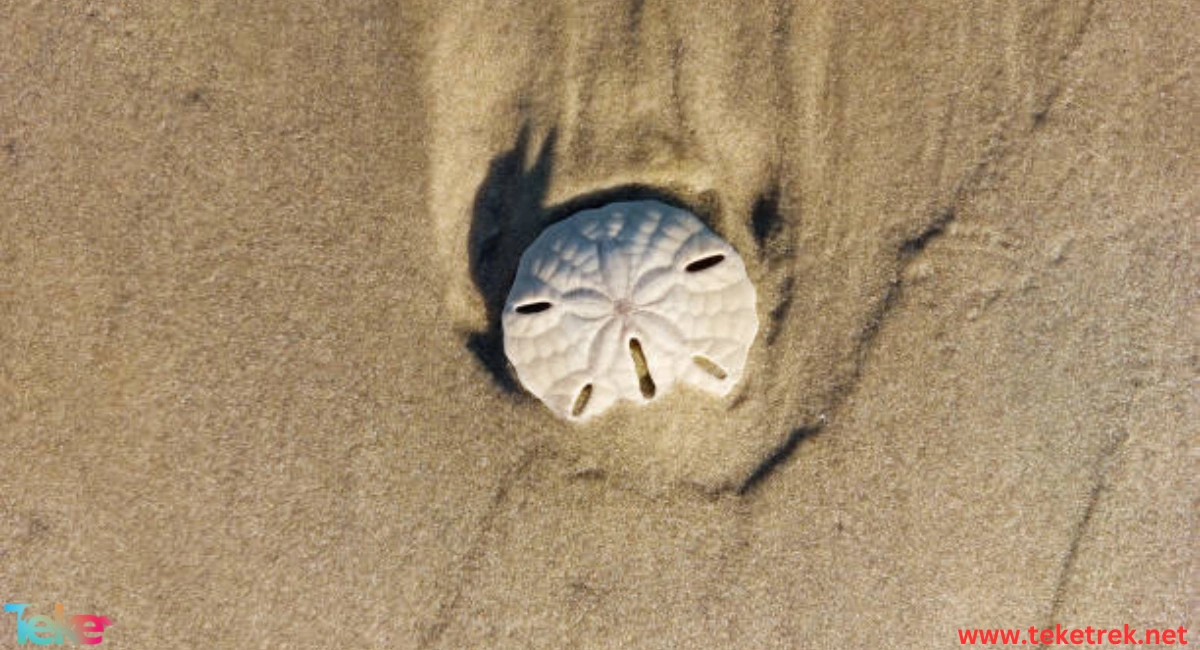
(624, 301)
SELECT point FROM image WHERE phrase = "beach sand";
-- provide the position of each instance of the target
(253, 391)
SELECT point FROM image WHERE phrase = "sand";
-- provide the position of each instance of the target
(252, 255)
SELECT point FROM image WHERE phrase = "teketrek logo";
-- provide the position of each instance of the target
(87, 629)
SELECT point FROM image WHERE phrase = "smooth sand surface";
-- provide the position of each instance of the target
(252, 255)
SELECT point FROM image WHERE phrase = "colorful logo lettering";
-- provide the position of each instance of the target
(87, 629)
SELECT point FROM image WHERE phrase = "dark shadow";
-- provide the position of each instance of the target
(777, 458)
(705, 205)
(765, 221)
(506, 217)
(509, 213)
(779, 313)
(767, 225)
(917, 244)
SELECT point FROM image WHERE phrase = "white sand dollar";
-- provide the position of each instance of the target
(622, 302)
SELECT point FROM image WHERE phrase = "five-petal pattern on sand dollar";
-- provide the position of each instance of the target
(623, 301)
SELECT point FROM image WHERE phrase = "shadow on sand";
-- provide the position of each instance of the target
(509, 213)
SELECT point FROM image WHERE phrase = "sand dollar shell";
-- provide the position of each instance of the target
(622, 302)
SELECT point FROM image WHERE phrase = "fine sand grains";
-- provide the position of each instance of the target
(253, 257)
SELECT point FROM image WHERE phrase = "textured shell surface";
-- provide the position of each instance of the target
(623, 301)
